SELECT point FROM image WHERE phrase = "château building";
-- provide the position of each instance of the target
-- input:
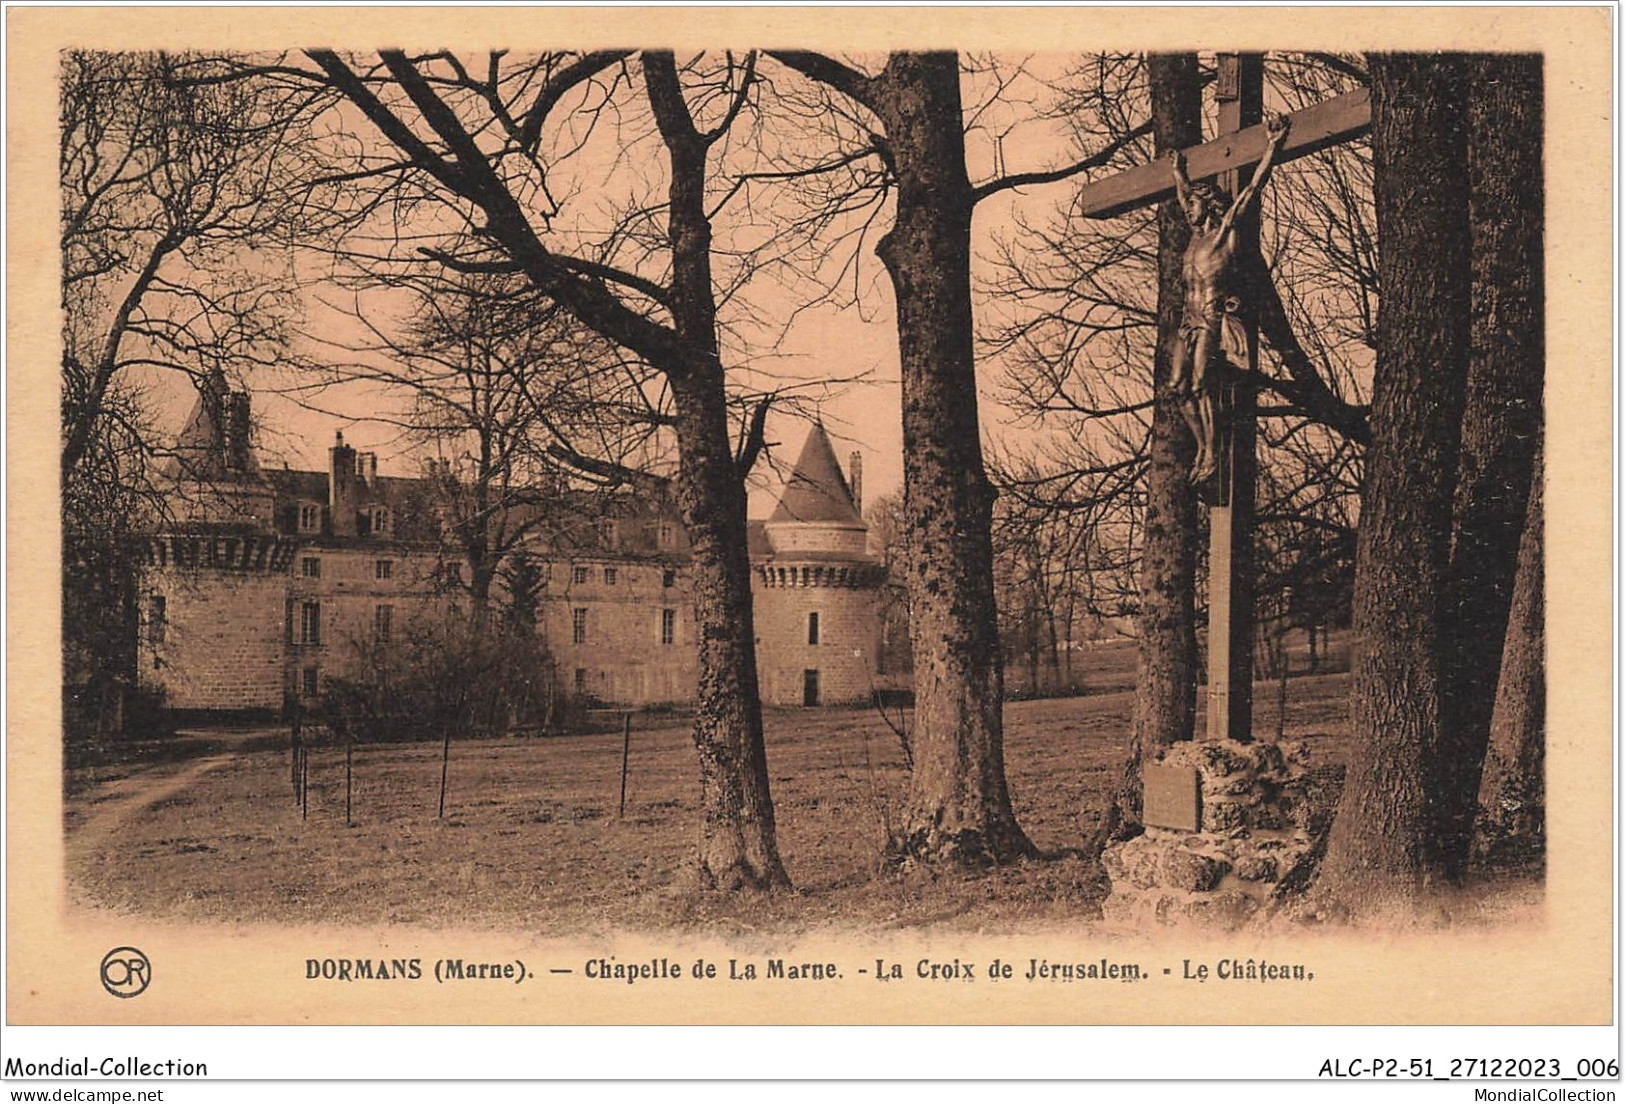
(261, 584)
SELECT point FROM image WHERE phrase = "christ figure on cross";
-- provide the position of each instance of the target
(1209, 329)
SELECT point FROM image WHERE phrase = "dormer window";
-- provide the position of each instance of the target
(310, 517)
(378, 521)
(666, 535)
(609, 533)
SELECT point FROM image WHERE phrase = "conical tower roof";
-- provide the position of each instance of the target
(200, 448)
(214, 444)
(816, 489)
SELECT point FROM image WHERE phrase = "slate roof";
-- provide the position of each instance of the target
(816, 489)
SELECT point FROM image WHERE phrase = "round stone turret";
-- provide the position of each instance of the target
(817, 600)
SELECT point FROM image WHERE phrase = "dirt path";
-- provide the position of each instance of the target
(117, 802)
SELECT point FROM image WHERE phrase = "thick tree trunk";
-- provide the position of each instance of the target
(1499, 428)
(1377, 856)
(1165, 690)
(959, 811)
(738, 842)
(737, 845)
(1511, 824)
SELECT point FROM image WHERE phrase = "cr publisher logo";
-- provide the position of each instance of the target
(126, 972)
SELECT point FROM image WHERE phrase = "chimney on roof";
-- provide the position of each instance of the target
(855, 479)
(341, 489)
(215, 399)
(237, 450)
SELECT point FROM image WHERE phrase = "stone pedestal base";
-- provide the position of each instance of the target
(1261, 814)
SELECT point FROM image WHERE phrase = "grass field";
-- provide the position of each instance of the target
(531, 837)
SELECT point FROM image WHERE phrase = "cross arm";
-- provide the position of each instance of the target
(1314, 128)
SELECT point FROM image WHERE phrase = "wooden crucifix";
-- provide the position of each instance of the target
(1225, 422)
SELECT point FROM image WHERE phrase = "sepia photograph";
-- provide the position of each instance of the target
(645, 520)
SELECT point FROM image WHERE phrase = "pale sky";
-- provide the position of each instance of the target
(864, 416)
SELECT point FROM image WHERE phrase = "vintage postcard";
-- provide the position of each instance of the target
(739, 516)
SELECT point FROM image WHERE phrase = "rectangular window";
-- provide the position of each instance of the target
(812, 628)
(310, 681)
(668, 626)
(668, 577)
(311, 567)
(581, 679)
(380, 521)
(310, 623)
(310, 518)
(382, 621)
(578, 626)
(609, 533)
(580, 576)
(667, 534)
(157, 618)
(383, 569)
(809, 687)
(610, 575)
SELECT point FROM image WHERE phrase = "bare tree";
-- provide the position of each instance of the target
(479, 138)
(885, 519)
(909, 118)
(168, 184)
(959, 805)
(1165, 690)
(103, 514)
(515, 401)
(1061, 571)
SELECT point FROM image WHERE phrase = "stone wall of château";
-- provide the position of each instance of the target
(221, 643)
(364, 595)
(844, 657)
(625, 655)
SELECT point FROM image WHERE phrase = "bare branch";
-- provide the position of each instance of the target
(826, 70)
(583, 69)
(740, 96)
(755, 437)
(1094, 160)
